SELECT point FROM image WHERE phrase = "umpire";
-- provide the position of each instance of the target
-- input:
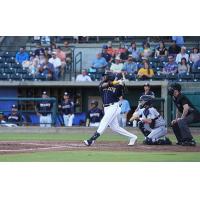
(186, 114)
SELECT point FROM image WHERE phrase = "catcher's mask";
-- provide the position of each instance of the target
(145, 100)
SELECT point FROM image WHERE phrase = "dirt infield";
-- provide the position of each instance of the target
(8, 147)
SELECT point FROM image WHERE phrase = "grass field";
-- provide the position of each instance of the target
(84, 156)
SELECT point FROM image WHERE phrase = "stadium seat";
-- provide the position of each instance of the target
(130, 77)
(10, 60)
(4, 77)
(197, 78)
(9, 71)
(28, 77)
(15, 77)
(21, 71)
(195, 70)
(186, 77)
(16, 66)
(2, 60)
(172, 77)
(159, 77)
(41, 77)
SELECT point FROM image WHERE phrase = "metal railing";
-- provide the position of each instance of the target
(77, 61)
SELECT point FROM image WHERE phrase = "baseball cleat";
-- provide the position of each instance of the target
(88, 142)
(132, 141)
(189, 143)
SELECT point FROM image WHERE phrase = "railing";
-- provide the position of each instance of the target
(77, 60)
(20, 102)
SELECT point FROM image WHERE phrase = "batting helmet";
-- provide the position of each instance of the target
(145, 100)
(109, 76)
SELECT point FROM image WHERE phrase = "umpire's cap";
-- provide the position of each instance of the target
(174, 86)
(94, 102)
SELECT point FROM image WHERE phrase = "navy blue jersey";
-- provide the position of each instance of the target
(150, 93)
(110, 94)
(14, 118)
(95, 115)
(44, 108)
(67, 107)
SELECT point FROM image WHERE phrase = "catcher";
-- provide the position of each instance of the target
(151, 123)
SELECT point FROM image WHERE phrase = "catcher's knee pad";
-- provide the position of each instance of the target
(143, 130)
(149, 141)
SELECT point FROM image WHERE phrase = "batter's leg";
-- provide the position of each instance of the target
(114, 125)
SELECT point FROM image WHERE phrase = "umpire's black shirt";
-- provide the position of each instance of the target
(181, 100)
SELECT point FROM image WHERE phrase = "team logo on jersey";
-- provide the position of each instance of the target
(112, 89)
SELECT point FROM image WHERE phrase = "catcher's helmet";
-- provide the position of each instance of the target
(145, 100)
(174, 86)
(94, 103)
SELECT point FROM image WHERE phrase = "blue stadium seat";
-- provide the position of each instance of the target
(15, 77)
(172, 77)
(159, 77)
(130, 77)
(186, 77)
(41, 77)
(10, 60)
(4, 77)
(2, 60)
(197, 78)
(21, 71)
(195, 70)
(28, 77)
(9, 71)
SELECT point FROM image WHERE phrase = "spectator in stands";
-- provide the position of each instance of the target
(117, 66)
(130, 66)
(134, 51)
(61, 54)
(179, 40)
(146, 51)
(195, 55)
(171, 67)
(196, 65)
(110, 50)
(181, 55)
(183, 67)
(45, 40)
(31, 65)
(121, 49)
(161, 52)
(174, 49)
(57, 65)
(53, 47)
(47, 53)
(105, 54)
(68, 53)
(41, 58)
(99, 62)
(21, 56)
(83, 77)
(47, 69)
(39, 49)
(145, 72)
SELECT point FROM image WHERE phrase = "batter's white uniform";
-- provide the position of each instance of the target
(159, 130)
(110, 119)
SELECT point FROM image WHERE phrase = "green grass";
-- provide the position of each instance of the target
(62, 156)
(91, 156)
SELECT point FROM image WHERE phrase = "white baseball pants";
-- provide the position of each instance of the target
(110, 119)
(45, 121)
(157, 133)
(68, 119)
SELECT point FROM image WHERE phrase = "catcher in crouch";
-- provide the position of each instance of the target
(151, 123)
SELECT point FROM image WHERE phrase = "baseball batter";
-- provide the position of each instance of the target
(110, 92)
